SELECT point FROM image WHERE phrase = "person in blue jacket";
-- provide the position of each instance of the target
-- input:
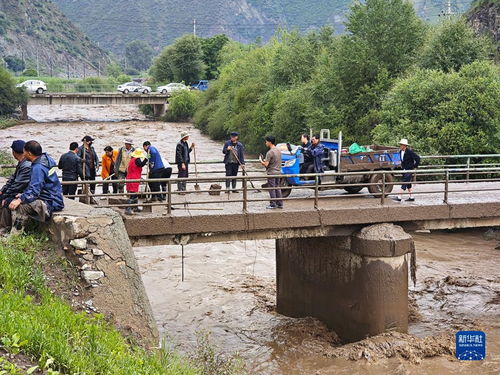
(317, 150)
(157, 169)
(234, 157)
(43, 196)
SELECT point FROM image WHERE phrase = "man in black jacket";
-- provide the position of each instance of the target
(182, 159)
(234, 157)
(71, 165)
(409, 161)
(90, 160)
(20, 179)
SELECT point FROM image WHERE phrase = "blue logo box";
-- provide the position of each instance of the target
(470, 345)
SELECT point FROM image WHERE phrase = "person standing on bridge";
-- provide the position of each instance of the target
(134, 170)
(71, 165)
(90, 160)
(182, 159)
(409, 161)
(272, 162)
(233, 151)
(122, 160)
(157, 169)
(108, 169)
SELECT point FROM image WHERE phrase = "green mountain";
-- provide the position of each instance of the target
(37, 33)
(115, 23)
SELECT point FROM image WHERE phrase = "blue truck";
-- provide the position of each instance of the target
(337, 159)
(201, 85)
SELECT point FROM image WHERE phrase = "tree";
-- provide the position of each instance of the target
(14, 63)
(445, 113)
(11, 97)
(187, 59)
(113, 70)
(211, 54)
(453, 44)
(181, 61)
(139, 55)
(161, 70)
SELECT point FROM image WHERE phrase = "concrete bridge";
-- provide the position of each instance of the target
(342, 258)
(157, 100)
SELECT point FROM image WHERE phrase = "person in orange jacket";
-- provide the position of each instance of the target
(108, 160)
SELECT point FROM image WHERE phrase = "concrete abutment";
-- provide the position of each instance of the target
(357, 285)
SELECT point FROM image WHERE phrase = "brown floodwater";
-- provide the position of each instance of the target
(229, 288)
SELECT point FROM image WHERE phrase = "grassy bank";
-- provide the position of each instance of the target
(35, 322)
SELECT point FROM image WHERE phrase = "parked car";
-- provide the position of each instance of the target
(34, 86)
(133, 87)
(171, 87)
(201, 85)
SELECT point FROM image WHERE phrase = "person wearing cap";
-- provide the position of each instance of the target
(41, 198)
(20, 179)
(71, 165)
(182, 159)
(90, 160)
(122, 160)
(233, 151)
(272, 163)
(134, 170)
(409, 161)
(108, 161)
(157, 169)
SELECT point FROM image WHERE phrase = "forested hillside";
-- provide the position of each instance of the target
(35, 33)
(159, 22)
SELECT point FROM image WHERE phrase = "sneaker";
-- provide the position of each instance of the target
(270, 207)
(410, 200)
(280, 207)
(397, 199)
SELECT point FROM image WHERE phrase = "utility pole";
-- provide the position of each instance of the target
(194, 26)
(37, 65)
(448, 11)
(99, 68)
(67, 66)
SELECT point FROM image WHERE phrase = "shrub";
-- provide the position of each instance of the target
(11, 97)
(445, 113)
(182, 105)
(30, 73)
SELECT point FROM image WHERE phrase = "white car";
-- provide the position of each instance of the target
(133, 87)
(33, 86)
(171, 87)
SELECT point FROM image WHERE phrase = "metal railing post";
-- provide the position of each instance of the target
(468, 168)
(446, 181)
(245, 194)
(382, 196)
(316, 192)
(169, 197)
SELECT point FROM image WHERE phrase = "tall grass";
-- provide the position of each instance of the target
(43, 326)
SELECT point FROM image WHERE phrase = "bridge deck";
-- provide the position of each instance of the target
(223, 220)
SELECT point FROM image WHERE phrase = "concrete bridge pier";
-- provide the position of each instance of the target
(159, 109)
(357, 285)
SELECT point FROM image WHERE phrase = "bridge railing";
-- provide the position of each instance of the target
(468, 162)
(443, 186)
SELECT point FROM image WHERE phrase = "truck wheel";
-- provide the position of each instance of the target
(285, 190)
(353, 189)
(376, 190)
(39, 91)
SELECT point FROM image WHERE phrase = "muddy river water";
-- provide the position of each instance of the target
(229, 288)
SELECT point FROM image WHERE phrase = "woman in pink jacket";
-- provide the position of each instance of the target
(134, 171)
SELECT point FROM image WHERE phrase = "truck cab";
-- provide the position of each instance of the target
(201, 85)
